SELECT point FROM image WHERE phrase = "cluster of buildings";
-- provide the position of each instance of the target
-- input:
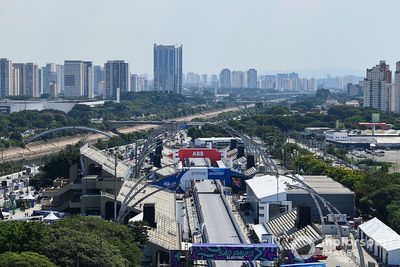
(79, 78)
(380, 91)
(280, 82)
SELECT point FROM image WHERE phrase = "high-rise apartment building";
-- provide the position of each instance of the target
(168, 68)
(48, 73)
(88, 79)
(268, 81)
(5, 77)
(214, 80)
(78, 78)
(192, 78)
(225, 78)
(238, 79)
(31, 80)
(204, 79)
(377, 87)
(117, 77)
(396, 94)
(20, 68)
(252, 81)
(73, 78)
(139, 83)
(99, 76)
(52, 78)
(282, 81)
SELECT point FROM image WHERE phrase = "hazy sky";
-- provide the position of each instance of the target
(265, 34)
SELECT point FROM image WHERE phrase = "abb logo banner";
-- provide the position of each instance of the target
(209, 153)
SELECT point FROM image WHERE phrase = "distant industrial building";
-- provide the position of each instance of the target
(369, 138)
(11, 106)
(168, 68)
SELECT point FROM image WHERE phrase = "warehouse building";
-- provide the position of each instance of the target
(270, 196)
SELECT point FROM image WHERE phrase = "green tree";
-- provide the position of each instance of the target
(24, 259)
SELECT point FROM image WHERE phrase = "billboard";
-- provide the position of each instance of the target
(235, 252)
(209, 153)
(182, 179)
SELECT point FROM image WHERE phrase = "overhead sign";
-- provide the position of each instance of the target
(235, 252)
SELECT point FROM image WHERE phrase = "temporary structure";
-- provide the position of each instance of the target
(51, 217)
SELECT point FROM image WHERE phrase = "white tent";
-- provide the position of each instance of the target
(381, 240)
(51, 217)
(29, 197)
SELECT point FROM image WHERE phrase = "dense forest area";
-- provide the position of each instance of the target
(73, 241)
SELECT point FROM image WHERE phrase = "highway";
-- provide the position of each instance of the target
(218, 225)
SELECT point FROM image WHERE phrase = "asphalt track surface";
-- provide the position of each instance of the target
(217, 222)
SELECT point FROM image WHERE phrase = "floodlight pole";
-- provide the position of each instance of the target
(115, 186)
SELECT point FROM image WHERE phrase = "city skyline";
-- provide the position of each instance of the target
(261, 37)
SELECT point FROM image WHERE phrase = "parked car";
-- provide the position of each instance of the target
(320, 257)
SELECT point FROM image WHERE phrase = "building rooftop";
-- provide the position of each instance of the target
(382, 234)
(322, 185)
(266, 185)
(107, 162)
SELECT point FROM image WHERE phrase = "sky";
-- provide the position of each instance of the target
(269, 35)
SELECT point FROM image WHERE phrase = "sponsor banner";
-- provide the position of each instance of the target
(314, 264)
(236, 252)
(211, 154)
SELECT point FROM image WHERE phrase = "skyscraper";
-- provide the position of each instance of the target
(397, 88)
(98, 74)
(78, 78)
(168, 68)
(117, 75)
(5, 77)
(238, 79)
(282, 81)
(225, 78)
(73, 78)
(214, 80)
(48, 72)
(31, 80)
(52, 77)
(252, 79)
(20, 68)
(192, 78)
(204, 79)
(377, 87)
(88, 79)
